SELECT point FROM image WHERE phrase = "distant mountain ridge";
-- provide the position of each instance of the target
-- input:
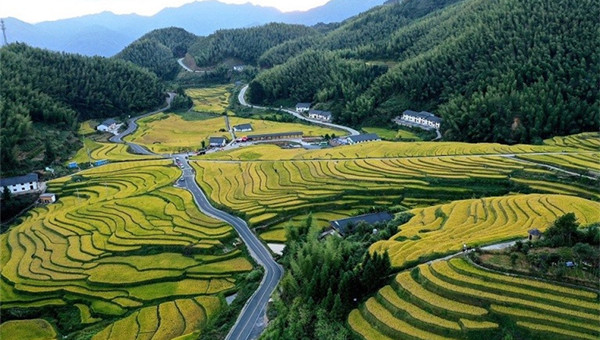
(105, 34)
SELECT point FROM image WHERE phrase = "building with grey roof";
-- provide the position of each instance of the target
(20, 184)
(367, 137)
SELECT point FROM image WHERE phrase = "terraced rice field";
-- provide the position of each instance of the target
(582, 162)
(384, 150)
(443, 229)
(169, 132)
(456, 300)
(121, 239)
(272, 192)
(586, 141)
(109, 151)
(210, 99)
(87, 128)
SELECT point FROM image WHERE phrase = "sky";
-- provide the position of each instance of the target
(34, 11)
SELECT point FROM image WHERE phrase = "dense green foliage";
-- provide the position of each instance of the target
(324, 280)
(502, 71)
(246, 44)
(43, 93)
(158, 51)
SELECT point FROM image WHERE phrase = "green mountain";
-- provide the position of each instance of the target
(500, 70)
(45, 93)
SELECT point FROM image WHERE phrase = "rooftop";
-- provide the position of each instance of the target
(217, 140)
(280, 134)
(303, 105)
(243, 127)
(364, 138)
(341, 225)
(423, 114)
(534, 232)
(319, 112)
(32, 177)
(109, 122)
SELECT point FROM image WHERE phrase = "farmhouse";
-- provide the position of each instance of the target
(534, 234)
(20, 184)
(47, 198)
(107, 125)
(242, 128)
(422, 119)
(343, 225)
(368, 137)
(217, 142)
(281, 135)
(320, 115)
(302, 107)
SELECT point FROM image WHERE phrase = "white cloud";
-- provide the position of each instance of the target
(34, 11)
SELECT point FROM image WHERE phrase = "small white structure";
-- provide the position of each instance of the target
(423, 118)
(47, 198)
(319, 115)
(242, 128)
(302, 107)
(217, 142)
(239, 68)
(107, 125)
(368, 137)
(20, 184)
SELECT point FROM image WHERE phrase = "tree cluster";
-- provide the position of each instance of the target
(324, 280)
(510, 71)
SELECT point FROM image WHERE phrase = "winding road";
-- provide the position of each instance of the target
(249, 321)
(242, 100)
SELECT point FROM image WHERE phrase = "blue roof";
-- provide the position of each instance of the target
(364, 138)
(341, 225)
(423, 114)
(306, 105)
(109, 122)
(32, 177)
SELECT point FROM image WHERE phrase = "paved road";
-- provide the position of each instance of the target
(242, 100)
(548, 166)
(496, 246)
(132, 126)
(180, 61)
(255, 307)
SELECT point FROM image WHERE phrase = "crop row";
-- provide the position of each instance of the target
(586, 140)
(119, 238)
(434, 301)
(443, 229)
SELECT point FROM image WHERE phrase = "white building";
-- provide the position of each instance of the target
(47, 198)
(302, 107)
(217, 142)
(368, 137)
(242, 128)
(319, 115)
(107, 125)
(21, 184)
(239, 68)
(422, 118)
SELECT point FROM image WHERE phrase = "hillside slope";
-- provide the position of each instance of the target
(45, 93)
(497, 71)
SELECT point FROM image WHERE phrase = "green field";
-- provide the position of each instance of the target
(119, 239)
(456, 300)
(95, 151)
(36, 329)
(388, 134)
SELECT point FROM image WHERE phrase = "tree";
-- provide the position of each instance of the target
(6, 194)
(563, 233)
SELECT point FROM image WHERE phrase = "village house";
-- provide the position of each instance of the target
(368, 137)
(274, 136)
(302, 107)
(242, 128)
(320, 115)
(342, 226)
(20, 184)
(534, 234)
(217, 142)
(107, 125)
(422, 119)
(47, 198)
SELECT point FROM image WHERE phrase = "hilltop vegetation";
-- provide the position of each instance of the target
(496, 71)
(45, 93)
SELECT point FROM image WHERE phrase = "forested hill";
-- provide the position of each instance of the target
(495, 70)
(45, 93)
(158, 51)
